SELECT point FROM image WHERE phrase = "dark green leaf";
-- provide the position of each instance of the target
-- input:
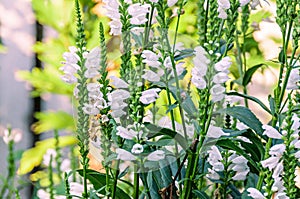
(171, 107)
(99, 180)
(158, 131)
(249, 73)
(200, 194)
(184, 54)
(254, 99)
(229, 144)
(245, 115)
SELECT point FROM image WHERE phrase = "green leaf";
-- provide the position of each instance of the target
(257, 152)
(34, 156)
(254, 99)
(171, 107)
(158, 131)
(229, 144)
(200, 194)
(99, 180)
(245, 115)
(152, 182)
(249, 73)
(48, 121)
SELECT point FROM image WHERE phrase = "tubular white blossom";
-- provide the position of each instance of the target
(217, 93)
(223, 65)
(215, 132)
(117, 103)
(244, 2)
(70, 65)
(14, 135)
(271, 132)
(149, 96)
(271, 162)
(255, 194)
(138, 13)
(171, 2)
(294, 79)
(125, 133)
(92, 63)
(223, 5)
(156, 155)
(200, 68)
(151, 58)
(118, 83)
(151, 76)
(112, 11)
(124, 155)
(137, 149)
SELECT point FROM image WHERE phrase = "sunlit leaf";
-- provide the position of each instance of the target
(34, 156)
(53, 120)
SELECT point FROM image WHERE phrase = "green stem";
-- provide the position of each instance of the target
(136, 183)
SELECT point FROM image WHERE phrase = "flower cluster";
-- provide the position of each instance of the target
(237, 165)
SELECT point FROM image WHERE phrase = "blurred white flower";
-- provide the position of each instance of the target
(200, 68)
(118, 83)
(223, 65)
(151, 58)
(70, 65)
(124, 155)
(255, 194)
(137, 149)
(47, 157)
(223, 5)
(294, 80)
(215, 132)
(171, 2)
(220, 78)
(14, 135)
(138, 13)
(151, 76)
(112, 11)
(271, 132)
(271, 162)
(217, 93)
(156, 155)
(42, 194)
(117, 103)
(77, 189)
(212, 174)
(127, 134)
(149, 96)
(92, 63)
(244, 2)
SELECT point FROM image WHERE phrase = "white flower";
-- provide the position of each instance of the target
(149, 96)
(223, 65)
(50, 154)
(137, 149)
(215, 132)
(223, 5)
(278, 170)
(212, 174)
(220, 78)
(70, 66)
(277, 150)
(156, 155)
(117, 103)
(214, 155)
(271, 162)
(14, 135)
(239, 164)
(138, 13)
(271, 132)
(124, 155)
(77, 189)
(255, 194)
(293, 81)
(112, 8)
(126, 134)
(154, 1)
(217, 93)
(199, 82)
(171, 2)
(296, 123)
(151, 76)
(42, 194)
(92, 63)
(240, 175)
(200, 68)
(244, 2)
(118, 83)
(151, 58)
